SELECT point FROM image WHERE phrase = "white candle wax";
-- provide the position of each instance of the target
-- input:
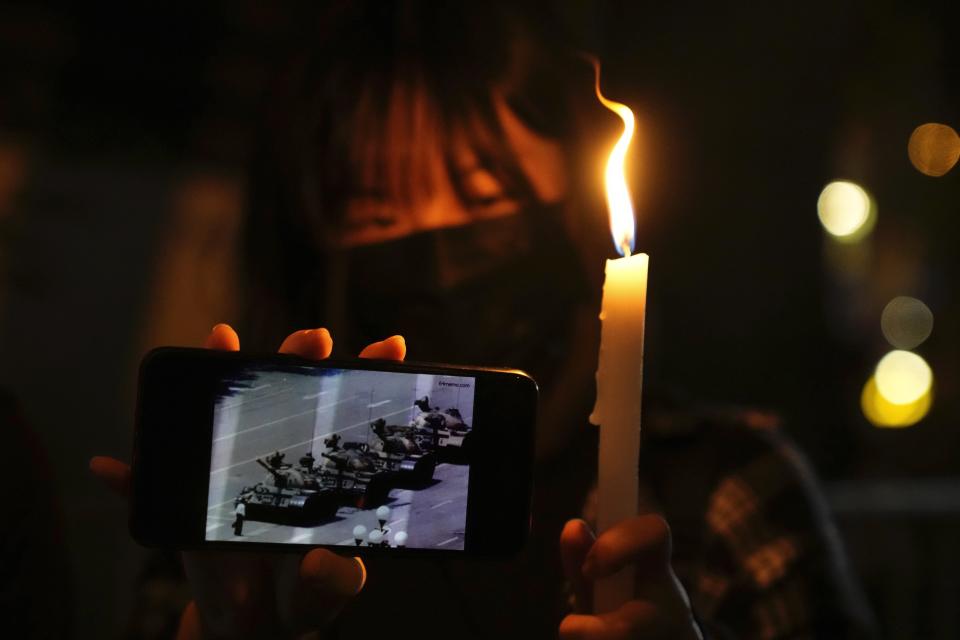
(617, 410)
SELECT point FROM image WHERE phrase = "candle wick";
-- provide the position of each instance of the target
(625, 248)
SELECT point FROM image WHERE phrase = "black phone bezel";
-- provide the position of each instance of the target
(173, 439)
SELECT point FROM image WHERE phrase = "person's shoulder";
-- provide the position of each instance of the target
(741, 495)
(730, 437)
(732, 462)
(751, 476)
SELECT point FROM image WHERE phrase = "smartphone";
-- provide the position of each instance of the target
(238, 451)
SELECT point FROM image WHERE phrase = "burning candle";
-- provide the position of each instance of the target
(620, 366)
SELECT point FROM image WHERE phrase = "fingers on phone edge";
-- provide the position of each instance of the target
(314, 344)
(393, 348)
(113, 473)
(223, 338)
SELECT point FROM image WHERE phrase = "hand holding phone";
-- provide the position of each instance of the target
(234, 449)
(226, 441)
(235, 593)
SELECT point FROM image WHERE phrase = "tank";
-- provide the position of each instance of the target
(354, 474)
(288, 495)
(442, 431)
(398, 450)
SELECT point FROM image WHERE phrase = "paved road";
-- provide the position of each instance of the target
(433, 517)
(293, 414)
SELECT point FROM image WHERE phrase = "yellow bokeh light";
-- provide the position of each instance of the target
(885, 414)
(933, 148)
(906, 322)
(903, 377)
(846, 210)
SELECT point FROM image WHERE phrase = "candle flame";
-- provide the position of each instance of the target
(619, 203)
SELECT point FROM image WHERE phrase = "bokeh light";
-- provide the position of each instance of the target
(846, 210)
(903, 377)
(933, 148)
(906, 322)
(885, 414)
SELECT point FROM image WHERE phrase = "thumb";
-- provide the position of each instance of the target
(190, 627)
(328, 572)
(576, 540)
(327, 582)
(113, 473)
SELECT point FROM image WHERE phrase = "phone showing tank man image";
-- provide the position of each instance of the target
(238, 451)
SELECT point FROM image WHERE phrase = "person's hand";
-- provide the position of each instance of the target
(243, 594)
(660, 608)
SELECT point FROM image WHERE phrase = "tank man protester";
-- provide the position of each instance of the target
(240, 513)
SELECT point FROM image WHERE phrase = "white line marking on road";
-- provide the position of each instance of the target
(440, 504)
(244, 399)
(447, 541)
(306, 535)
(349, 542)
(300, 444)
(377, 404)
(273, 422)
(250, 389)
(315, 395)
(266, 424)
(391, 525)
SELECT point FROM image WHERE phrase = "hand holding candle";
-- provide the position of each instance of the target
(625, 540)
(620, 367)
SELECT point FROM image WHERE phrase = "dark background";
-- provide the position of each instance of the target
(125, 132)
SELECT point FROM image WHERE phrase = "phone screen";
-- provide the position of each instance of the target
(304, 455)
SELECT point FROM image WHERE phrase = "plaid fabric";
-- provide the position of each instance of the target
(753, 543)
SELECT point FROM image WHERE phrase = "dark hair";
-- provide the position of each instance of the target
(411, 74)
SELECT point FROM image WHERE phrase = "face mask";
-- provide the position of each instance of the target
(497, 292)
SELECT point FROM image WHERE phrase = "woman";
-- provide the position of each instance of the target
(419, 177)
